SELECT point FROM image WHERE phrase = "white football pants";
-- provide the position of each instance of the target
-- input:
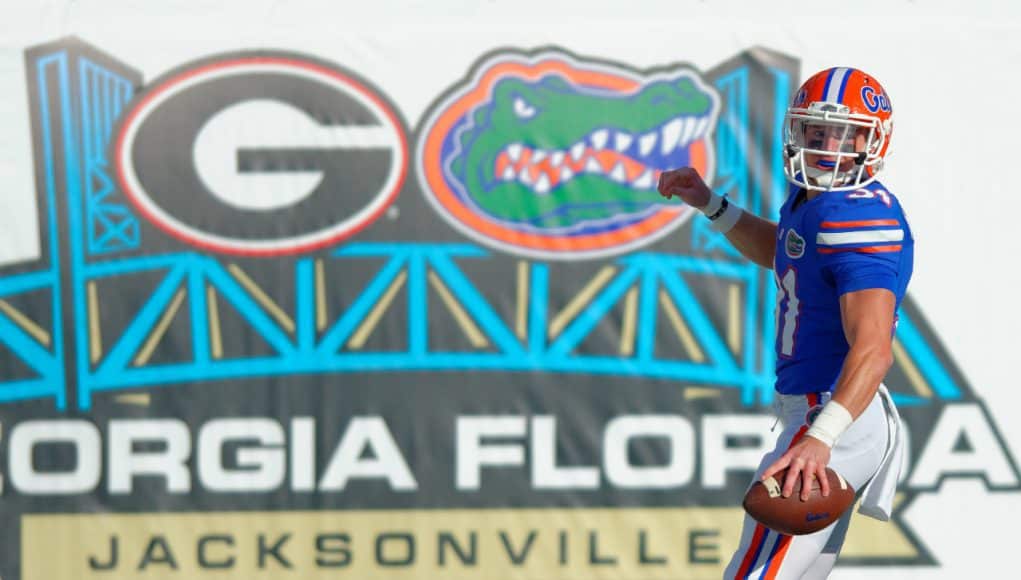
(857, 456)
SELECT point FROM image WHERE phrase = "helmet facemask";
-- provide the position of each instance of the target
(828, 148)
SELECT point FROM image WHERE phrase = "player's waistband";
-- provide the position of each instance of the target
(795, 407)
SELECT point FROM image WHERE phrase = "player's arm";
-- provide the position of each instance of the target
(867, 317)
(753, 236)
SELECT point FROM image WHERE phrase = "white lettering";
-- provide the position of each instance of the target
(260, 467)
(347, 462)
(169, 463)
(303, 454)
(676, 430)
(546, 474)
(718, 457)
(82, 478)
(472, 454)
(984, 456)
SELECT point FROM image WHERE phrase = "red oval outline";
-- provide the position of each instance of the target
(311, 246)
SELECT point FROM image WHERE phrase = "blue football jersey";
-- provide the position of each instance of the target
(838, 242)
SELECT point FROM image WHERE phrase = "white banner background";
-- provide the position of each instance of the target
(950, 69)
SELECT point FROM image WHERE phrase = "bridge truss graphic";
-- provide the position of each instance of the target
(91, 236)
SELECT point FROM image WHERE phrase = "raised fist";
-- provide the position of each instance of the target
(686, 184)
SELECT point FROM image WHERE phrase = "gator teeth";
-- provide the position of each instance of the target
(622, 141)
(542, 186)
(618, 173)
(508, 173)
(557, 158)
(565, 173)
(644, 180)
(592, 166)
(578, 150)
(525, 177)
(646, 143)
(671, 133)
(514, 151)
(689, 131)
(700, 128)
(599, 139)
(538, 155)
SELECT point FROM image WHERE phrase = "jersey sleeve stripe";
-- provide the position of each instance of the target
(859, 237)
(858, 224)
(865, 249)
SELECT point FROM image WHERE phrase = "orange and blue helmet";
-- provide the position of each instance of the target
(837, 130)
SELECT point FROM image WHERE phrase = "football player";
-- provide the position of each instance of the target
(842, 257)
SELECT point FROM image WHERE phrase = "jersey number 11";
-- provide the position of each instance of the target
(787, 319)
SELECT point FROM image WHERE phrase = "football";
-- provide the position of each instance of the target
(789, 515)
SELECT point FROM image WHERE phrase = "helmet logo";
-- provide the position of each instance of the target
(875, 102)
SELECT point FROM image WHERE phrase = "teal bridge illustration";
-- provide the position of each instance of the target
(77, 95)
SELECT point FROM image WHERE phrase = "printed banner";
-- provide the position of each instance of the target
(276, 331)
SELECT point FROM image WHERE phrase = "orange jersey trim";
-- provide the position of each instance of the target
(859, 224)
(866, 250)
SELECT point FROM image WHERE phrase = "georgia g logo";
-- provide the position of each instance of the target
(550, 156)
(261, 154)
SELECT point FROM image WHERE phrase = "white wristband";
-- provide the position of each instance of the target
(722, 214)
(715, 201)
(831, 423)
(728, 219)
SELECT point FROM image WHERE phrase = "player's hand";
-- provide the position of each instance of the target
(807, 458)
(686, 184)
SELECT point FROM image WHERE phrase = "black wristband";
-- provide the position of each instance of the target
(723, 207)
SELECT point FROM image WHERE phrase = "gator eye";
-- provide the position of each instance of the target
(522, 109)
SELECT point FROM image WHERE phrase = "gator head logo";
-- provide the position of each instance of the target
(550, 156)
(794, 245)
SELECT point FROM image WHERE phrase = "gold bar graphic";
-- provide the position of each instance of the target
(95, 332)
(581, 300)
(27, 324)
(521, 313)
(161, 328)
(682, 330)
(468, 326)
(137, 399)
(262, 298)
(629, 324)
(734, 318)
(915, 377)
(547, 544)
(213, 311)
(321, 306)
(361, 335)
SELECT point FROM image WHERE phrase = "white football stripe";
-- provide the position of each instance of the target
(859, 237)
